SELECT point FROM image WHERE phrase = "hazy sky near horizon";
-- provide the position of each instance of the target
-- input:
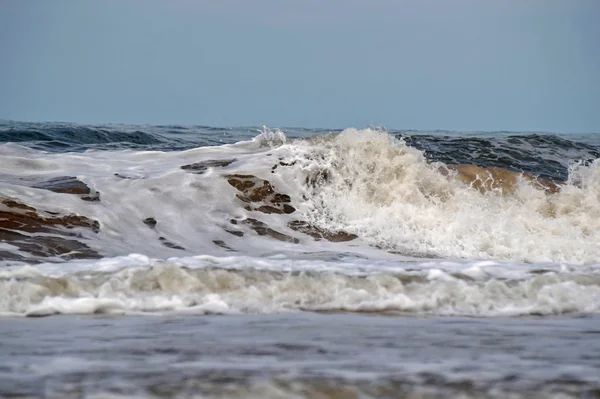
(422, 64)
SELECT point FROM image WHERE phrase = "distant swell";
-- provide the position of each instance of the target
(57, 137)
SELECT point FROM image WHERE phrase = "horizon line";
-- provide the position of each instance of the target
(383, 127)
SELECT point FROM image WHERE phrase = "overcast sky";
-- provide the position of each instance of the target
(422, 64)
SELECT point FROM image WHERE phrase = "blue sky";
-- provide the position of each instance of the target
(423, 64)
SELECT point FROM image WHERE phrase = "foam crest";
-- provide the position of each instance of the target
(171, 286)
(270, 138)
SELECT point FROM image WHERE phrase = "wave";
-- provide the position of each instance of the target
(63, 137)
(358, 191)
(425, 385)
(234, 285)
(370, 184)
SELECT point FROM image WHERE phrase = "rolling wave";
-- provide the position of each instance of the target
(364, 186)
(357, 220)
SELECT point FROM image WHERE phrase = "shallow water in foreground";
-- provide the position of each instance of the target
(297, 355)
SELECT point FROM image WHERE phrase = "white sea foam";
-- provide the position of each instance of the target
(388, 194)
(231, 285)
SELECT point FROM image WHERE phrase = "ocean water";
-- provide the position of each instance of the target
(192, 261)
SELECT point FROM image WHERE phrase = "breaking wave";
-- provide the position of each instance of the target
(343, 202)
(236, 285)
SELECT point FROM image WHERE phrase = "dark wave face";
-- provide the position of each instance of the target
(63, 137)
(545, 155)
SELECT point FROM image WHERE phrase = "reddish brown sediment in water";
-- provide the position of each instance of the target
(318, 233)
(170, 244)
(42, 233)
(61, 184)
(121, 176)
(235, 232)
(282, 164)
(255, 190)
(201, 167)
(150, 222)
(223, 245)
(494, 178)
(18, 216)
(69, 185)
(262, 229)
